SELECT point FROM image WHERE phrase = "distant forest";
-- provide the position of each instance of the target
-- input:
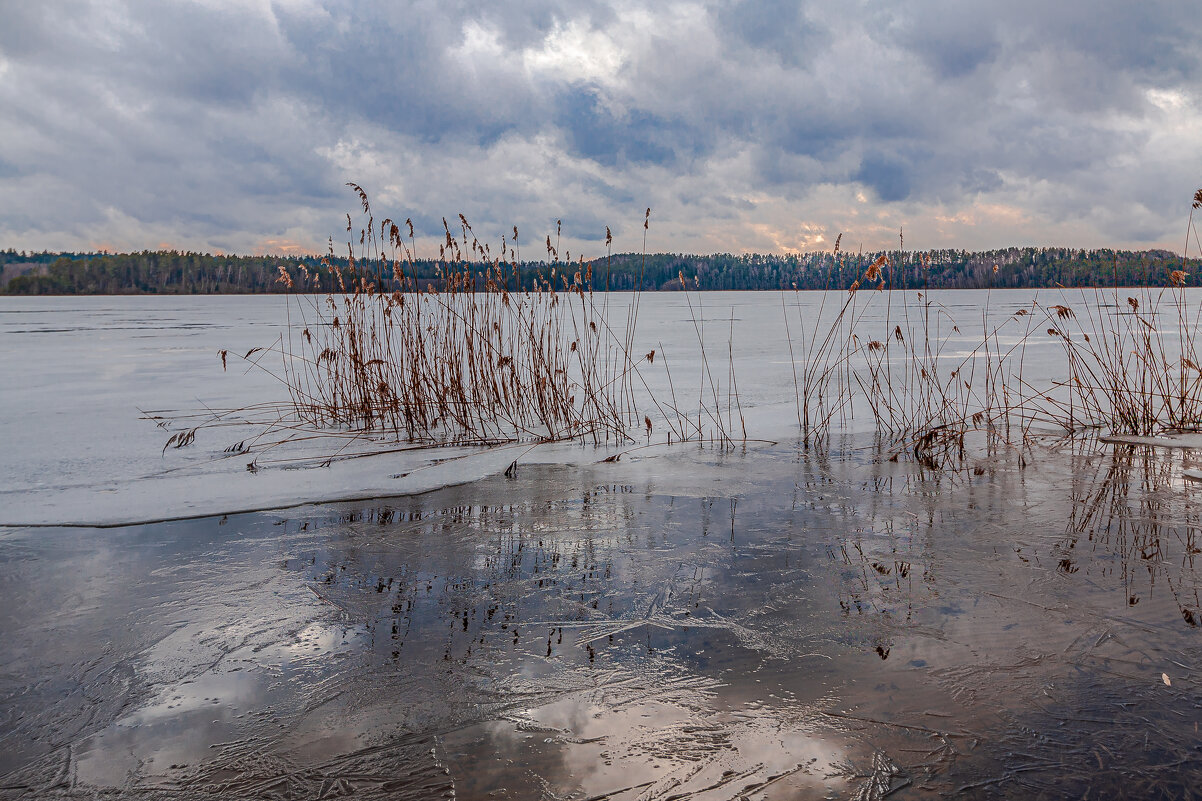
(171, 272)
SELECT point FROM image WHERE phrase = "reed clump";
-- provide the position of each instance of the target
(467, 357)
(1131, 361)
(1130, 366)
(901, 357)
(488, 351)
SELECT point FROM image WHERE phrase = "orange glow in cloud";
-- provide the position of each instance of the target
(108, 246)
(285, 247)
(799, 238)
(978, 213)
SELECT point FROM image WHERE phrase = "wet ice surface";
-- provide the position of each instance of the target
(768, 624)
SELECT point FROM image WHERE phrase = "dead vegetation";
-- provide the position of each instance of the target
(471, 359)
(1131, 366)
(466, 359)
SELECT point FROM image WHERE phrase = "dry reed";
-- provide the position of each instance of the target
(480, 354)
(1131, 366)
(484, 355)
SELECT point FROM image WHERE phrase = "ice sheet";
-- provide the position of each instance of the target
(79, 372)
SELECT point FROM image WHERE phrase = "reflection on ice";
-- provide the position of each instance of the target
(840, 625)
(687, 623)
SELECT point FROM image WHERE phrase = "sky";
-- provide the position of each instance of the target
(745, 125)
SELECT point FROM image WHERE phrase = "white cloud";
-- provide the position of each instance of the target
(576, 52)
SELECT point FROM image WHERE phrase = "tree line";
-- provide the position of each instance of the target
(174, 272)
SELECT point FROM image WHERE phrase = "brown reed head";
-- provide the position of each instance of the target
(873, 273)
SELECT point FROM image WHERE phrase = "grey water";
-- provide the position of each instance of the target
(688, 622)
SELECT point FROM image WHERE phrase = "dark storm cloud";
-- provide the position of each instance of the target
(396, 69)
(888, 175)
(640, 136)
(241, 121)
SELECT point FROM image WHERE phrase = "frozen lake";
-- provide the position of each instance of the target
(689, 622)
(80, 372)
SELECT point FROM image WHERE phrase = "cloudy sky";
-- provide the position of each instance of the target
(746, 125)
